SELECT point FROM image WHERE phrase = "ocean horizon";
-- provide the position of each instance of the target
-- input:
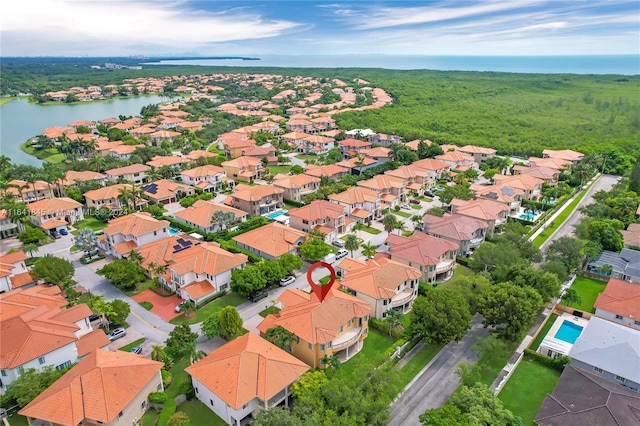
(579, 64)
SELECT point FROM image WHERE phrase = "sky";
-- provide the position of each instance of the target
(268, 27)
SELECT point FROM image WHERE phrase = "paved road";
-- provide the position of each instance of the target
(605, 183)
(438, 380)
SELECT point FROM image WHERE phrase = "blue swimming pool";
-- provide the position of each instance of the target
(275, 214)
(173, 232)
(568, 332)
(531, 217)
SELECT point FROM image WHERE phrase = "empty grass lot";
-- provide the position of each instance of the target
(524, 392)
(588, 290)
(231, 299)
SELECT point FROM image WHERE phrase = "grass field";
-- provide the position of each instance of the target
(231, 299)
(200, 414)
(401, 213)
(588, 290)
(375, 345)
(274, 170)
(536, 343)
(417, 363)
(127, 348)
(524, 392)
(91, 223)
(460, 273)
(269, 310)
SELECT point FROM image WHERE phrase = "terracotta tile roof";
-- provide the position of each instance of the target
(473, 149)
(553, 163)
(355, 195)
(430, 164)
(18, 301)
(203, 171)
(312, 321)
(72, 177)
(383, 183)
(294, 181)
(97, 339)
(164, 188)
(199, 289)
(52, 223)
(125, 247)
(380, 151)
(327, 170)
(524, 182)
(500, 193)
(201, 213)
(354, 162)
(159, 161)
(16, 256)
(295, 135)
(539, 172)
(460, 228)
(419, 248)
(107, 193)
(134, 168)
(199, 153)
(242, 162)
(206, 258)
(274, 239)
(479, 208)
(22, 279)
(563, 154)
(246, 368)
(354, 143)
(454, 156)
(621, 298)
(259, 151)
(318, 209)
(378, 278)
(53, 205)
(255, 193)
(135, 224)
(632, 234)
(97, 388)
(165, 134)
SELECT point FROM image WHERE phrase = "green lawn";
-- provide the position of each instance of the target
(179, 378)
(401, 213)
(536, 343)
(375, 345)
(492, 364)
(418, 362)
(200, 414)
(306, 157)
(91, 223)
(147, 305)
(370, 230)
(524, 392)
(460, 273)
(18, 420)
(139, 288)
(269, 310)
(588, 290)
(274, 170)
(127, 348)
(416, 206)
(231, 299)
(55, 158)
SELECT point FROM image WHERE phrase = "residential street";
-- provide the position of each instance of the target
(435, 384)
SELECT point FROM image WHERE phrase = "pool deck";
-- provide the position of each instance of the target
(558, 345)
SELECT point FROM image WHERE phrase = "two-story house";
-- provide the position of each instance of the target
(28, 192)
(480, 154)
(362, 204)
(165, 191)
(174, 161)
(383, 139)
(495, 214)
(105, 388)
(219, 379)
(321, 215)
(126, 233)
(466, 232)
(316, 144)
(13, 271)
(456, 159)
(564, 154)
(271, 241)
(529, 185)
(352, 147)
(336, 326)
(296, 186)
(383, 283)
(208, 177)
(233, 148)
(507, 195)
(547, 174)
(620, 303)
(434, 257)
(159, 136)
(135, 173)
(9, 225)
(435, 169)
(55, 213)
(201, 215)
(44, 336)
(392, 190)
(245, 169)
(330, 171)
(414, 178)
(109, 197)
(256, 200)
(72, 177)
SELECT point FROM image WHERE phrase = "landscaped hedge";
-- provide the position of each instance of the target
(166, 378)
(293, 202)
(230, 246)
(383, 327)
(557, 362)
(168, 410)
(464, 261)
(158, 397)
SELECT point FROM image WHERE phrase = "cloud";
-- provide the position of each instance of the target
(117, 25)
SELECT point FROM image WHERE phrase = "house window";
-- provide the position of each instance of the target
(621, 379)
(41, 360)
(63, 365)
(297, 339)
(636, 322)
(159, 387)
(310, 346)
(4, 373)
(322, 347)
(155, 232)
(597, 370)
(619, 317)
(384, 302)
(341, 328)
(245, 406)
(196, 389)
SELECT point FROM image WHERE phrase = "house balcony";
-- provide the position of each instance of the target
(445, 266)
(500, 221)
(346, 339)
(402, 298)
(475, 242)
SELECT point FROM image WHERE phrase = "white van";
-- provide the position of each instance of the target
(341, 253)
(330, 258)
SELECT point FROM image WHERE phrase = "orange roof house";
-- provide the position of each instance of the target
(72, 177)
(468, 233)
(271, 241)
(296, 186)
(166, 191)
(105, 387)
(55, 213)
(244, 375)
(337, 326)
(126, 233)
(29, 192)
(620, 302)
(161, 161)
(18, 301)
(383, 283)
(256, 200)
(331, 171)
(321, 213)
(492, 212)
(200, 215)
(564, 154)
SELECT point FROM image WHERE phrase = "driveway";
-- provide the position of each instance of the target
(437, 381)
(164, 307)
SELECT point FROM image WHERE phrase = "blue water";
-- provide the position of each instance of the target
(275, 214)
(529, 216)
(568, 332)
(596, 64)
(173, 232)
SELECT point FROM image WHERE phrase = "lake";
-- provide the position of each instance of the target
(21, 120)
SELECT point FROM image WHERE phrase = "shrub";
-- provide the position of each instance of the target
(293, 202)
(166, 378)
(168, 411)
(558, 362)
(399, 343)
(464, 261)
(158, 397)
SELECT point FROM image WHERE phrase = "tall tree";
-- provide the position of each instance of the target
(440, 317)
(180, 340)
(230, 323)
(567, 250)
(86, 240)
(351, 243)
(390, 222)
(223, 219)
(54, 270)
(280, 336)
(368, 250)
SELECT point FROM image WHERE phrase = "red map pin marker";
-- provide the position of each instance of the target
(321, 291)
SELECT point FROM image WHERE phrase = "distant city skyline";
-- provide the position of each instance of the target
(248, 28)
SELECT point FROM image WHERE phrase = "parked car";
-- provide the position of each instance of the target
(256, 296)
(64, 232)
(413, 201)
(287, 280)
(341, 253)
(179, 307)
(136, 350)
(55, 234)
(429, 193)
(406, 206)
(337, 243)
(94, 317)
(438, 189)
(117, 333)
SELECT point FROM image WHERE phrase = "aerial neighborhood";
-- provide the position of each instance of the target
(163, 269)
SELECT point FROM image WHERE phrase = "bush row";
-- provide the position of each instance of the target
(558, 362)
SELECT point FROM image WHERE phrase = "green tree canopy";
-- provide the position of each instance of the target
(230, 323)
(32, 383)
(315, 249)
(54, 270)
(123, 273)
(440, 317)
(280, 336)
(180, 339)
(248, 279)
(567, 250)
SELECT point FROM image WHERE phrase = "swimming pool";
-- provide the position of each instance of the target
(173, 232)
(531, 217)
(568, 332)
(276, 214)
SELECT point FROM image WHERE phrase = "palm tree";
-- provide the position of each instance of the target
(393, 320)
(194, 354)
(390, 222)
(125, 196)
(280, 337)
(158, 353)
(5, 163)
(351, 243)
(359, 163)
(154, 174)
(368, 250)
(223, 218)
(97, 163)
(188, 308)
(30, 248)
(135, 257)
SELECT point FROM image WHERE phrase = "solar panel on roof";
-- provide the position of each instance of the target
(152, 188)
(187, 243)
(177, 247)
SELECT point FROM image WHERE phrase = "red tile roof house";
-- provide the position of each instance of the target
(384, 139)
(13, 271)
(271, 241)
(329, 218)
(43, 336)
(316, 144)
(352, 147)
(245, 169)
(105, 388)
(435, 257)
(243, 376)
(547, 174)
(29, 192)
(9, 226)
(294, 138)
(493, 213)
(166, 191)
(172, 161)
(256, 200)
(435, 169)
(196, 270)
(468, 233)
(392, 190)
(531, 186)
(620, 303)
(126, 233)
(330, 170)
(363, 205)
(296, 186)
(72, 178)
(109, 197)
(211, 174)
(511, 197)
(135, 173)
(480, 154)
(200, 215)
(455, 159)
(55, 214)
(383, 283)
(564, 154)
(416, 179)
